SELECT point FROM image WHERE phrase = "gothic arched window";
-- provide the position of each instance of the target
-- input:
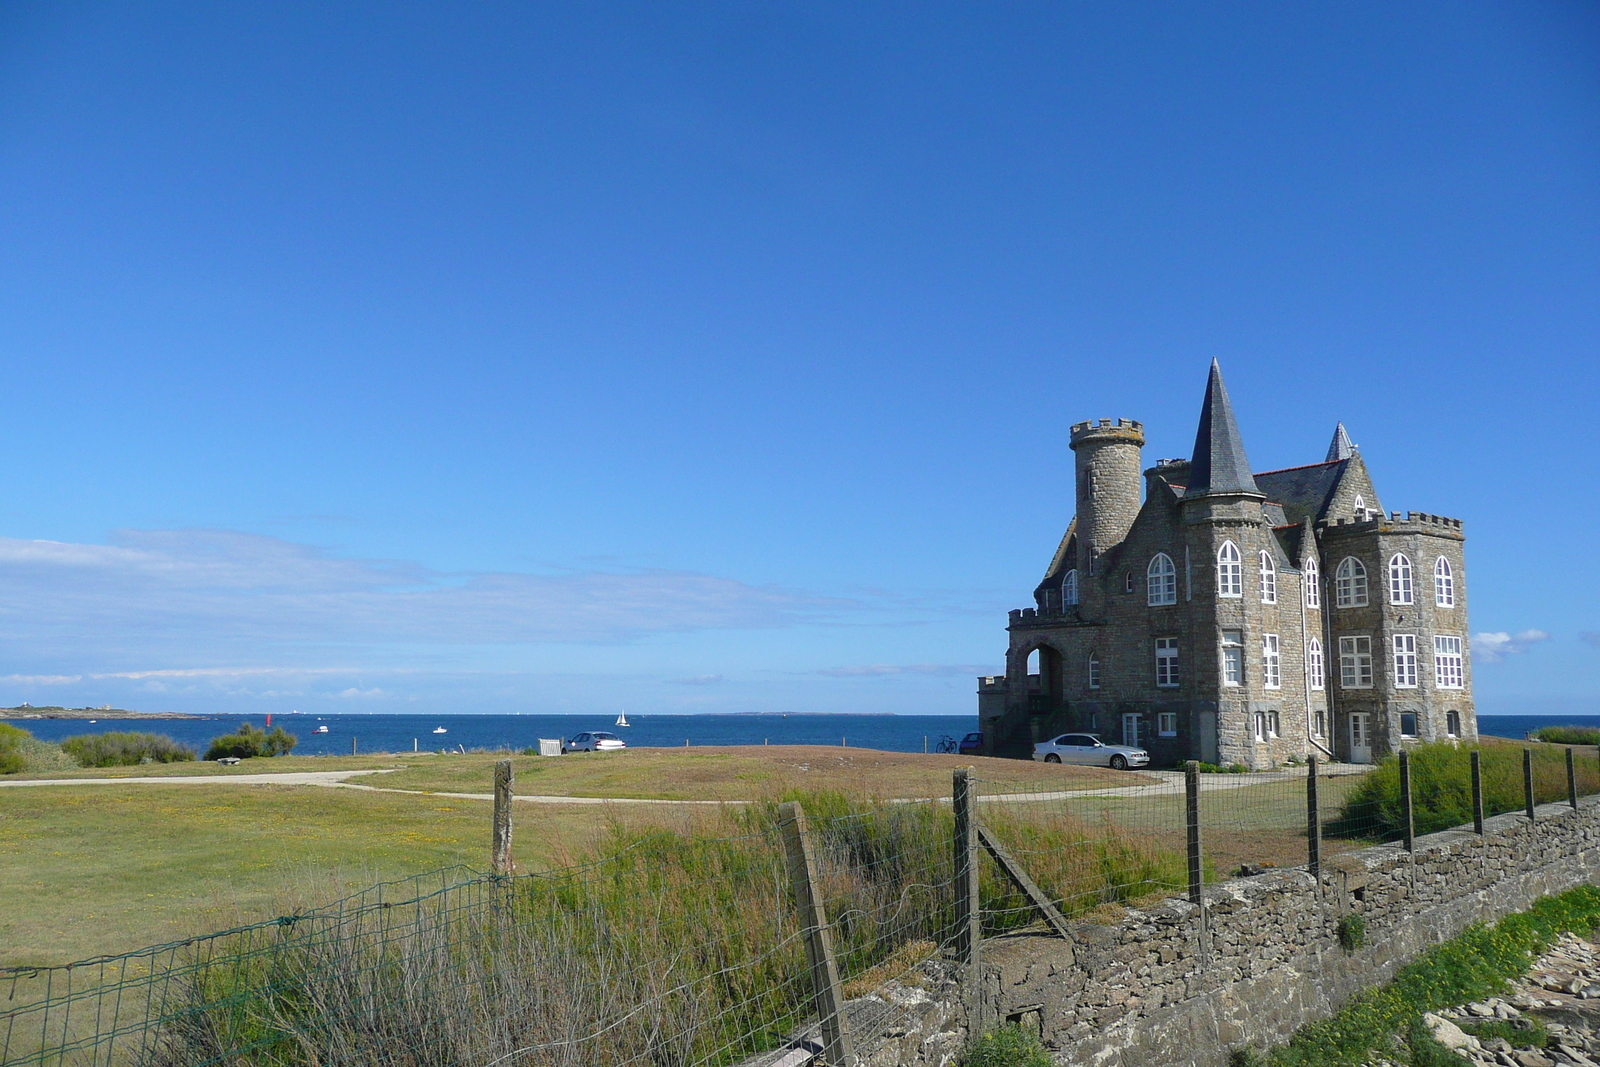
(1399, 579)
(1069, 589)
(1163, 581)
(1312, 576)
(1269, 579)
(1350, 584)
(1230, 573)
(1444, 584)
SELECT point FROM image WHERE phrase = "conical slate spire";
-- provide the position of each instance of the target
(1341, 447)
(1219, 464)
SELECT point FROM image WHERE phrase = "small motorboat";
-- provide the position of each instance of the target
(320, 730)
(440, 730)
(622, 720)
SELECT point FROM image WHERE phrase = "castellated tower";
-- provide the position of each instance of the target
(1109, 478)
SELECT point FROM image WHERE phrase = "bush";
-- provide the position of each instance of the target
(20, 751)
(125, 749)
(1441, 788)
(249, 742)
(1007, 1046)
(1568, 735)
(11, 743)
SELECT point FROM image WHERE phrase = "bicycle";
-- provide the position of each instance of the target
(949, 744)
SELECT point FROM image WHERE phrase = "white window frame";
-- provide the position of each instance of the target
(1271, 662)
(1162, 581)
(1269, 578)
(1166, 663)
(1360, 508)
(1405, 661)
(1402, 590)
(1232, 657)
(1261, 727)
(1444, 584)
(1315, 666)
(1452, 723)
(1355, 662)
(1449, 663)
(1311, 576)
(1167, 724)
(1416, 722)
(1350, 583)
(1321, 720)
(1230, 571)
(1069, 589)
(1094, 670)
(1274, 724)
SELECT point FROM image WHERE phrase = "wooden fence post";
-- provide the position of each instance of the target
(1191, 803)
(1527, 778)
(1405, 796)
(825, 986)
(500, 849)
(968, 933)
(1313, 820)
(1477, 794)
(1572, 782)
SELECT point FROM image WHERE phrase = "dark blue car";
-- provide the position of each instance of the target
(972, 744)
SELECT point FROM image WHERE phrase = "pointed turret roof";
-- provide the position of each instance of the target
(1219, 464)
(1341, 448)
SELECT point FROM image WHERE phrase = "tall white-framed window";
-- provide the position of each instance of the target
(1167, 724)
(1271, 663)
(1163, 581)
(1230, 571)
(1167, 662)
(1094, 671)
(1320, 727)
(1311, 576)
(1314, 665)
(1405, 661)
(1444, 584)
(1449, 671)
(1261, 726)
(1355, 662)
(1069, 589)
(1360, 509)
(1400, 591)
(1350, 583)
(1274, 724)
(1269, 579)
(1232, 657)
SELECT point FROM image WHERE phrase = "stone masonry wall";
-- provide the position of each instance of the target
(1184, 985)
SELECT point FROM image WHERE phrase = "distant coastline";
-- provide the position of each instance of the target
(27, 711)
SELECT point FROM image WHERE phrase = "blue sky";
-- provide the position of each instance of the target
(394, 357)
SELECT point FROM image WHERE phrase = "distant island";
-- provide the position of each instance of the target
(28, 711)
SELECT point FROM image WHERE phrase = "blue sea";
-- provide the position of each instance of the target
(400, 733)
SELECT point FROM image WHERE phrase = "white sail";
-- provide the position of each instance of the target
(622, 720)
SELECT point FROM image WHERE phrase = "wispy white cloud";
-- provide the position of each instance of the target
(42, 679)
(1494, 647)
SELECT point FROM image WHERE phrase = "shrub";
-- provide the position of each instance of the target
(125, 749)
(249, 742)
(1568, 735)
(1441, 788)
(20, 751)
(1007, 1046)
(11, 742)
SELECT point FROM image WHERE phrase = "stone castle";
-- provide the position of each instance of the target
(1236, 617)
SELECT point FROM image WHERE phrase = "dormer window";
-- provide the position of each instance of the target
(1069, 589)
(1360, 509)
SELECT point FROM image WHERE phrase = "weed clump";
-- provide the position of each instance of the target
(125, 749)
(249, 741)
(1007, 1046)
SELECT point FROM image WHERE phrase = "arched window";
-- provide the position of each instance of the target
(1314, 666)
(1360, 509)
(1350, 584)
(1269, 579)
(1033, 662)
(1399, 579)
(1094, 670)
(1444, 584)
(1163, 581)
(1311, 576)
(1230, 573)
(1069, 589)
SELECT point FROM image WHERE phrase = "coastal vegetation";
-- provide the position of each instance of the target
(22, 753)
(249, 742)
(117, 749)
(1567, 735)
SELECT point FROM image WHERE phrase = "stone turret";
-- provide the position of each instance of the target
(1108, 477)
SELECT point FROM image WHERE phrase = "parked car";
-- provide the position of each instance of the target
(1089, 750)
(972, 744)
(597, 741)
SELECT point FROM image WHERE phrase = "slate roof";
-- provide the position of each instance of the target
(1340, 447)
(1303, 491)
(1219, 464)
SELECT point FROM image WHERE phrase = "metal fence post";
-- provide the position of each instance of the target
(1313, 821)
(1527, 778)
(1405, 795)
(968, 932)
(818, 937)
(1477, 794)
(1191, 804)
(1572, 782)
(500, 849)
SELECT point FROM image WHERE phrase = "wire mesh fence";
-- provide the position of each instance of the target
(689, 945)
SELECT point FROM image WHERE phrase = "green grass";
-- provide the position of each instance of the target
(1568, 735)
(1475, 964)
(1529, 1035)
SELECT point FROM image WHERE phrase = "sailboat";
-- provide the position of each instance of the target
(622, 720)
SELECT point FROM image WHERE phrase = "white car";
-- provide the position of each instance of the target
(596, 741)
(1089, 750)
